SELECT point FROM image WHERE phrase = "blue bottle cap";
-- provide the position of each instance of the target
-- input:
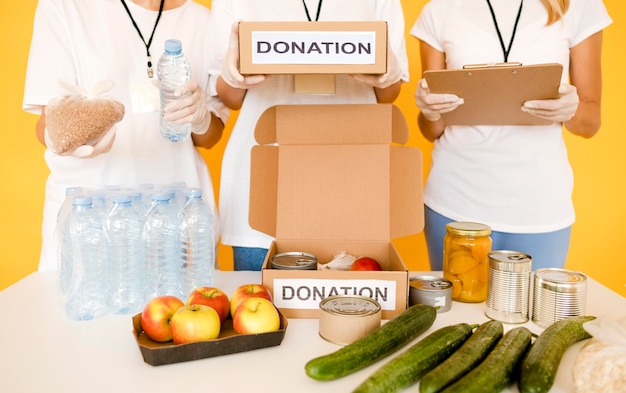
(81, 201)
(161, 197)
(121, 198)
(173, 46)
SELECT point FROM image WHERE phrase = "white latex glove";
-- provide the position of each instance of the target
(433, 105)
(393, 74)
(190, 108)
(557, 110)
(103, 145)
(230, 67)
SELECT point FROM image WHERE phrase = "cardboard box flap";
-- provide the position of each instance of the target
(322, 184)
(332, 124)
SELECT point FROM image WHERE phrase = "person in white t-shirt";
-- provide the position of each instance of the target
(253, 94)
(516, 179)
(84, 42)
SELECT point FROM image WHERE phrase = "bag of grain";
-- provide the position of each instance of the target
(601, 364)
(81, 118)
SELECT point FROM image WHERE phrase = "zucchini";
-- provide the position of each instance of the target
(408, 367)
(499, 368)
(472, 352)
(374, 346)
(540, 365)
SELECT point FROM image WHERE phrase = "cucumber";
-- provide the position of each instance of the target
(377, 344)
(499, 369)
(408, 367)
(472, 352)
(540, 365)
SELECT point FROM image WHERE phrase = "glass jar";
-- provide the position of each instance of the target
(466, 248)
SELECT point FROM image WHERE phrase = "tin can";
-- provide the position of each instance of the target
(294, 260)
(558, 294)
(508, 294)
(465, 261)
(345, 319)
(431, 290)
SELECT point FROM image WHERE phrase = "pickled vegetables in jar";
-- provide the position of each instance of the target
(466, 248)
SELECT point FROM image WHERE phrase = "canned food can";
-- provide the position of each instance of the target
(558, 294)
(508, 294)
(294, 260)
(344, 319)
(431, 290)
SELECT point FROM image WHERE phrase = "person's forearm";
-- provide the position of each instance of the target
(586, 121)
(232, 97)
(213, 134)
(431, 130)
(388, 94)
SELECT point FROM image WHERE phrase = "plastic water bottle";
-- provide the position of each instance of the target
(64, 248)
(86, 297)
(173, 71)
(125, 264)
(197, 242)
(160, 241)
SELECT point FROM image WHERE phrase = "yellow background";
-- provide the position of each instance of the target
(599, 163)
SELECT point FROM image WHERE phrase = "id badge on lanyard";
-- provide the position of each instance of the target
(144, 94)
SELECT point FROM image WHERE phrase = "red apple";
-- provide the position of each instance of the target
(246, 291)
(365, 263)
(194, 323)
(212, 297)
(256, 315)
(156, 315)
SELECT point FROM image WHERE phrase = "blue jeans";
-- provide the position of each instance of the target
(547, 249)
(248, 258)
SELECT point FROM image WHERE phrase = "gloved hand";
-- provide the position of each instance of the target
(433, 105)
(190, 108)
(103, 145)
(557, 110)
(230, 67)
(393, 74)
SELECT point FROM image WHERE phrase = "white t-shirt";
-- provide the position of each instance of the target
(85, 41)
(514, 178)
(235, 179)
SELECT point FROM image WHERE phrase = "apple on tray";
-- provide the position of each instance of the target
(212, 297)
(365, 263)
(256, 315)
(246, 291)
(156, 315)
(194, 323)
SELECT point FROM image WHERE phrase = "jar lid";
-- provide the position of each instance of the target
(561, 280)
(461, 228)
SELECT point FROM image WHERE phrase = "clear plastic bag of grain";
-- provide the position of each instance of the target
(80, 118)
(601, 363)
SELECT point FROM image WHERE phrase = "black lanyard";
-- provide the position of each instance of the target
(150, 73)
(317, 15)
(506, 51)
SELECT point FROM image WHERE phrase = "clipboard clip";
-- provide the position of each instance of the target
(492, 65)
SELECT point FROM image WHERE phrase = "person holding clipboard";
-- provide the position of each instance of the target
(516, 178)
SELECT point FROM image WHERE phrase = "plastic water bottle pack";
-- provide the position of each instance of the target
(115, 253)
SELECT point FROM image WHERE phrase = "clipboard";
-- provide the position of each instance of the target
(494, 93)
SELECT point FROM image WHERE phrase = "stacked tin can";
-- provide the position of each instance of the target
(510, 274)
(558, 294)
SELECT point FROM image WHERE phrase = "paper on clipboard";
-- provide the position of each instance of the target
(494, 94)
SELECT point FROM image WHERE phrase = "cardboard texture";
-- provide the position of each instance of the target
(331, 178)
(157, 354)
(338, 55)
(493, 95)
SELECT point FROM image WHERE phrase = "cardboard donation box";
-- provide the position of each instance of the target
(313, 48)
(333, 178)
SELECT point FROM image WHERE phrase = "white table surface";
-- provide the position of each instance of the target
(42, 351)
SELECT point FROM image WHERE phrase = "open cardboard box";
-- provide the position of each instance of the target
(157, 354)
(331, 178)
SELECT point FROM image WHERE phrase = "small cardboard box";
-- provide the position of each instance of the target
(313, 48)
(157, 354)
(331, 178)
